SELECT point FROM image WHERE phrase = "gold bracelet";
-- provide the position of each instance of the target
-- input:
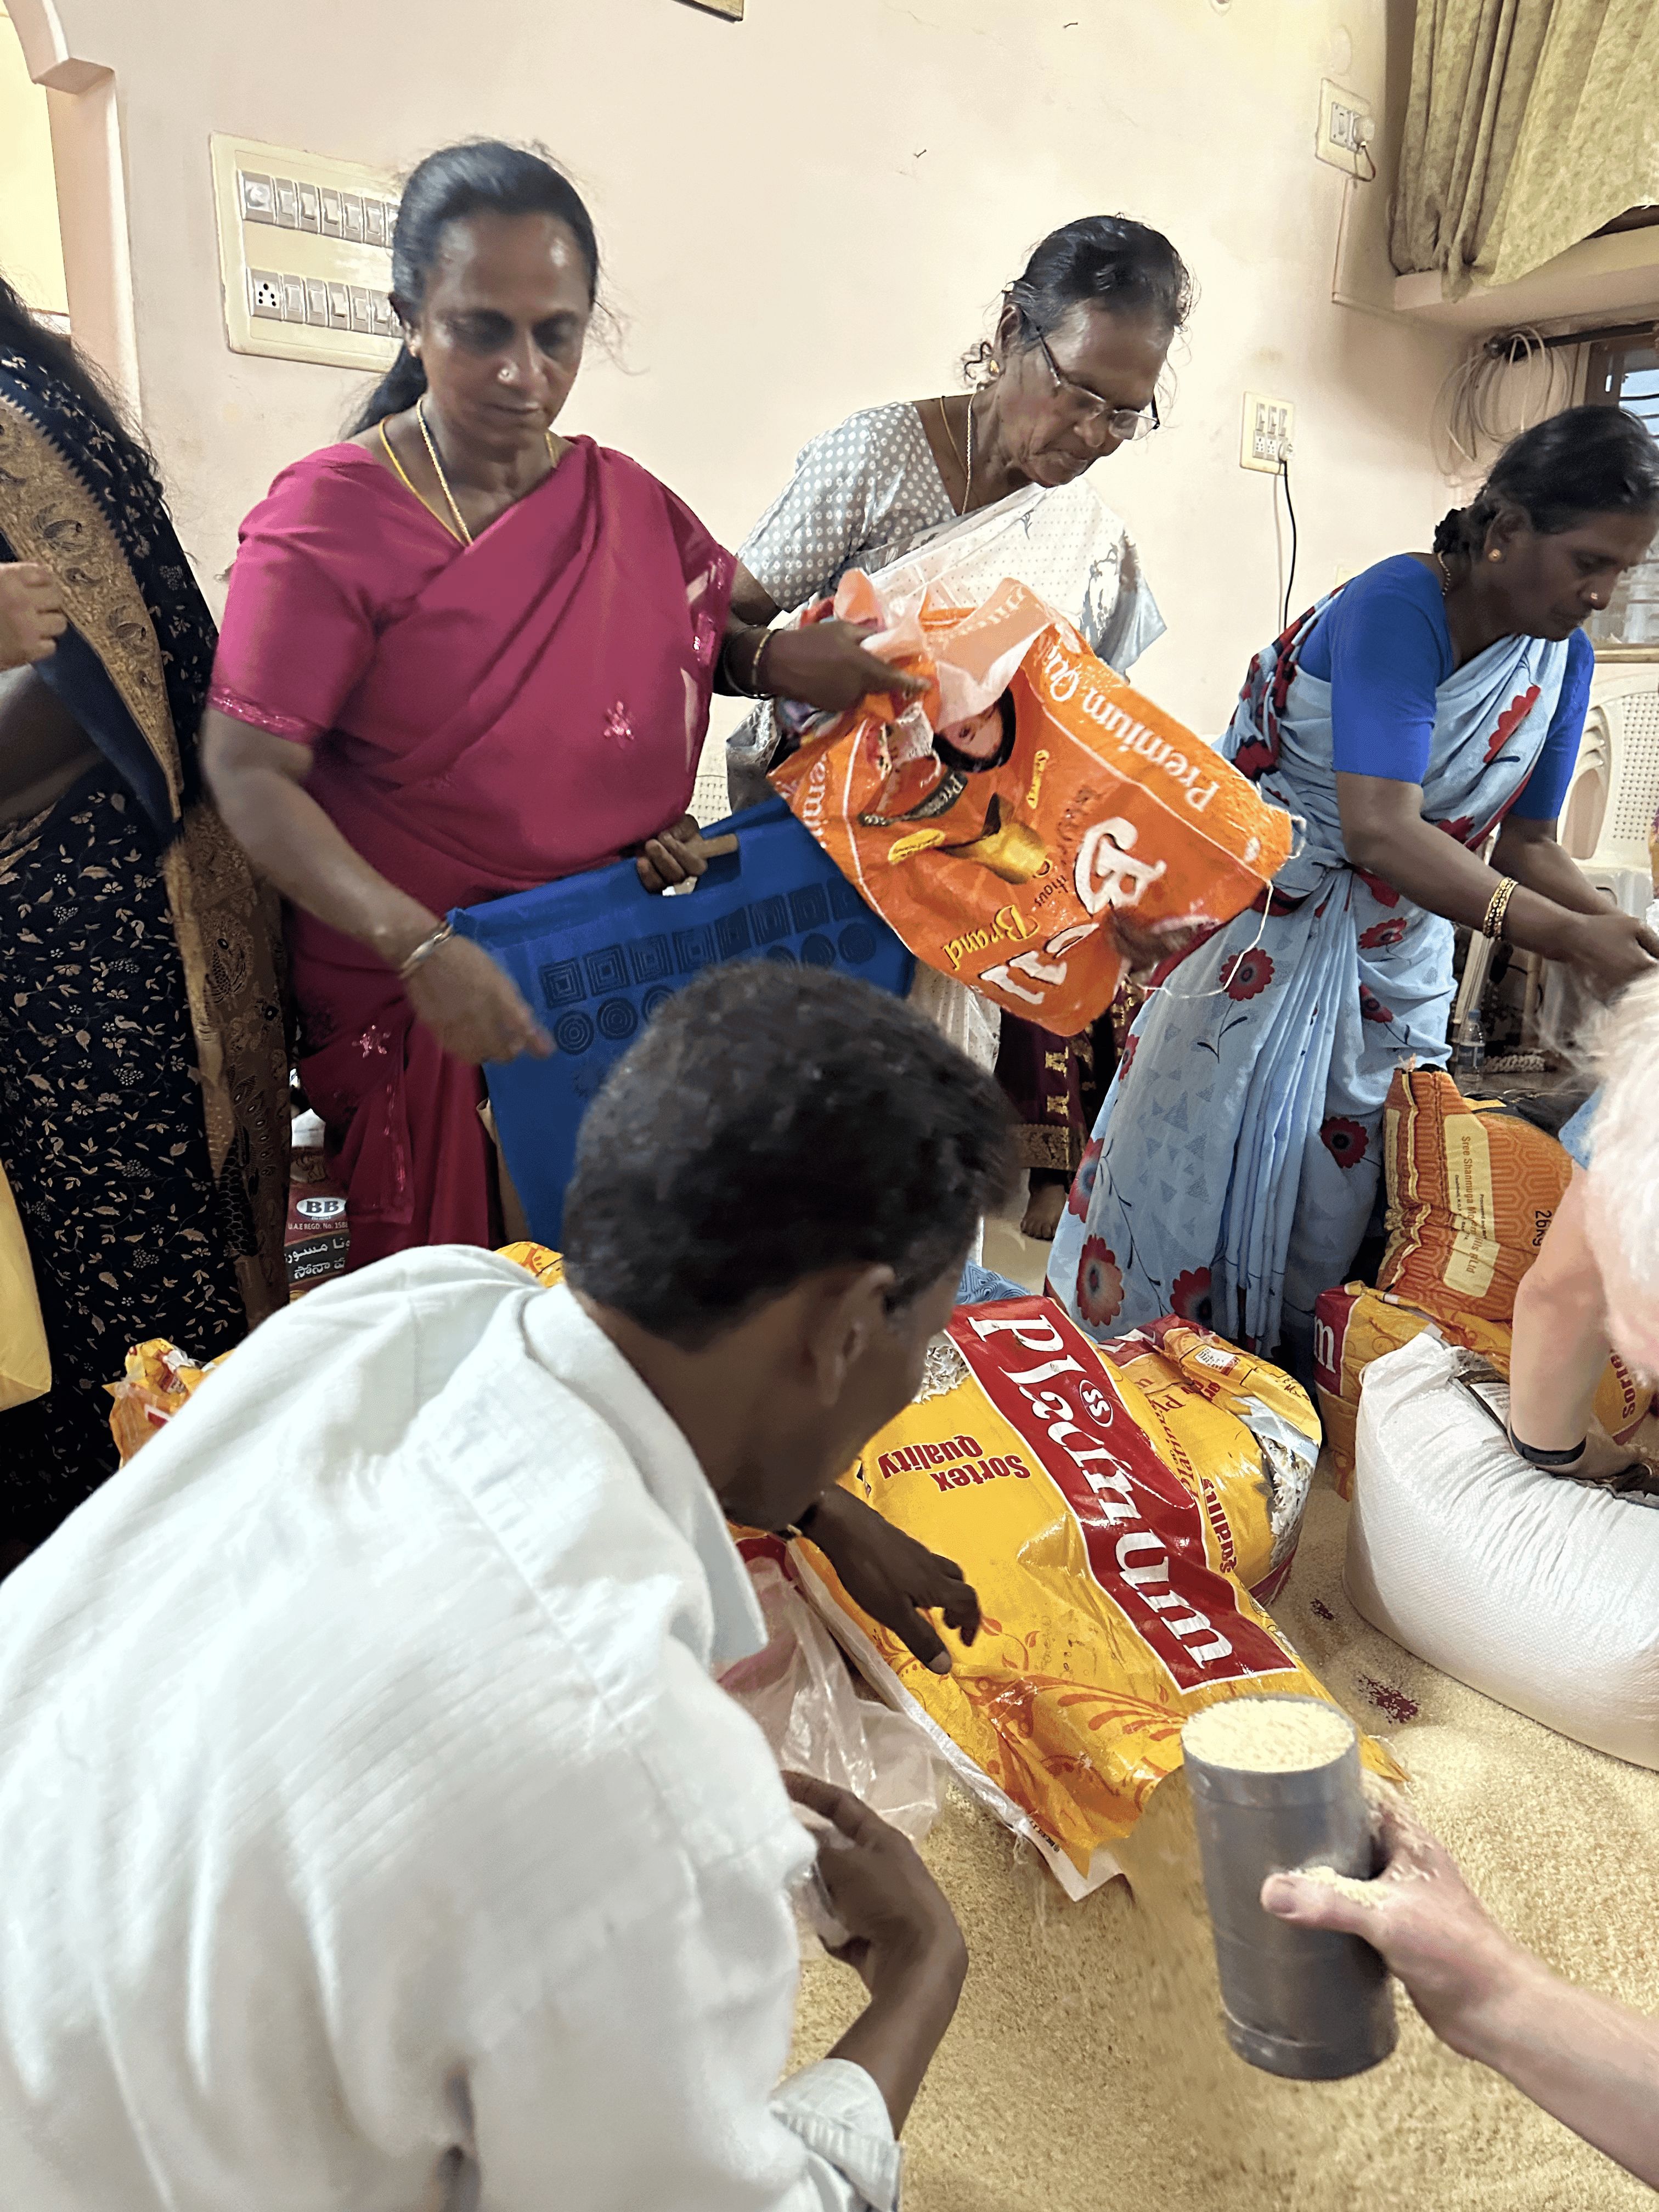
(1497, 905)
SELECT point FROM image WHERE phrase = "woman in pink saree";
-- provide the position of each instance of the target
(464, 656)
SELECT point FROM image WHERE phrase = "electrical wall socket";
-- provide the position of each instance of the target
(1346, 132)
(1268, 430)
(264, 294)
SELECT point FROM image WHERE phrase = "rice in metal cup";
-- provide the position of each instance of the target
(1273, 1790)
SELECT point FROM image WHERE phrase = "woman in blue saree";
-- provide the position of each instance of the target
(1233, 1168)
(144, 1077)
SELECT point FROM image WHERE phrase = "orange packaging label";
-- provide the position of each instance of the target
(1473, 1187)
(1064, 797)
(546, 1265)
(1108, 1511)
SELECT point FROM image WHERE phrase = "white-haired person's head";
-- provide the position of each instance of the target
(1623, 1175)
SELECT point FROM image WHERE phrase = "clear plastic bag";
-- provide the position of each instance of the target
(801, 1691)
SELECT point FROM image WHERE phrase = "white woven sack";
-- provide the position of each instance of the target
(1540, 1593)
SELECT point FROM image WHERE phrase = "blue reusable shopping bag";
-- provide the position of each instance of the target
(596, 955)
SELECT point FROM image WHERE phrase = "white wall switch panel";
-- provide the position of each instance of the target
(304, 254)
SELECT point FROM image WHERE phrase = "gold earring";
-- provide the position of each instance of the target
(1494, 555)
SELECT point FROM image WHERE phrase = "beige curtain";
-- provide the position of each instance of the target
(1531, 123)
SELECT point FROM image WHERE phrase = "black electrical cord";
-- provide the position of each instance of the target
(1290, 581)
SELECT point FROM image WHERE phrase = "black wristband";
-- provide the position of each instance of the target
(1535, 1455)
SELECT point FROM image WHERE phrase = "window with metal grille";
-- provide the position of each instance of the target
(1624, 373)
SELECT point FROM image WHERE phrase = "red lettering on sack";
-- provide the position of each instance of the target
(1218, 1521)
(1143, 1529)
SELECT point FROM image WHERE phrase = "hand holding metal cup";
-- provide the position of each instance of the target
(1276, 1787)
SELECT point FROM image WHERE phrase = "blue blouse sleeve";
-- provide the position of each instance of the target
(1545, 792)
(1383, 648)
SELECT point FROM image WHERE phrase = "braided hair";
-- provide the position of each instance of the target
(1586, 460)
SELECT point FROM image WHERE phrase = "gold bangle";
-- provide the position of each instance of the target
(749, 686)
(1497, 905)
(425, 950)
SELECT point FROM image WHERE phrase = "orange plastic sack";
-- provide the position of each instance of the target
(1356, 1325)
(1111, 1504)
(1471, 1187)
(1089, 802)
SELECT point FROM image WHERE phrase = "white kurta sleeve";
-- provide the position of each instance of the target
(837, 2111)
(649, 2084)
(627, 2056)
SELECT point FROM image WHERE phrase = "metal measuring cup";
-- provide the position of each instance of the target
(1302, 2001)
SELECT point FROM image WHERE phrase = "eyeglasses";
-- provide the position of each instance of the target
(1125, 423)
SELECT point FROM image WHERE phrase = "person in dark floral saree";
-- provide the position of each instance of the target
(1233, 1168)
(144, 1115)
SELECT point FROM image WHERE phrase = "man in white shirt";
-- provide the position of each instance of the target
(373, 1836)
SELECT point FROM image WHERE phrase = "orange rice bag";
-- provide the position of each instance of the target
(1473, 1187)
(1067, 797)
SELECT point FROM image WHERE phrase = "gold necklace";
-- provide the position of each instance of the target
(408, 481)
(458, 529)
(461, 530)
(1445, 573)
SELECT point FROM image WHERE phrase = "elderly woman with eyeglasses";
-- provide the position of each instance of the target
(1069, 374)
